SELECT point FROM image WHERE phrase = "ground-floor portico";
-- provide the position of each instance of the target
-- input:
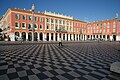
(45, 36)
(53, 36)
(102, 37)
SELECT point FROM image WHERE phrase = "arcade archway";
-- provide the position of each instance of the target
(24, 36)
(56, 36)
(35, 36)
(41, 36)
(17, 34)
(47, 36)
(29, 36)
(114, 37)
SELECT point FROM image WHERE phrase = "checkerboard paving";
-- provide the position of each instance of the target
(74, 61)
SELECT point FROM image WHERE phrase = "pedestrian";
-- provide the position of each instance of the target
(60, 42)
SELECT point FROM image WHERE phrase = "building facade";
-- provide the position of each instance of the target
(106, 30)
(50, 26)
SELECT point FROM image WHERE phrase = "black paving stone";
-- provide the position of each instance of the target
(13, 75)
(3, 71)
(68, 76)
(24, 78)
(42, 76)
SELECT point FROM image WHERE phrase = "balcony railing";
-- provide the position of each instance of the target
(97, 33)
(113, 32)
(61, 30)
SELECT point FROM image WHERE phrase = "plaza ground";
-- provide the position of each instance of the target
(46, 60)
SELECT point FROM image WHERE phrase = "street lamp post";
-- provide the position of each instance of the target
(116, 20)
(33, 7)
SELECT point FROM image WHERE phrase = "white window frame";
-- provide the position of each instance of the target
(25, 17)
(52, 21)
(18, 24)
(47, 20)
(30, 24)
(56, 21)
(60, 21)
(63, 22)
(30, 17)
(114, 30)
(48, 27)
(36, 19)
(52, 27)
(104, 25)
(22, 25)
(114, 24)
(36, 25)
(56, 27)
(42, 26)
(41, 19)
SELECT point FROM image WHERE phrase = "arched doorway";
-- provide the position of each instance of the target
(103, 36)
(97, 36)
(70, 37)
(74, 37)
(51, 36)
(41, 36)
(56, 36)
(63, 36)
(47, 36)
(67, 37)
(100, 36)
(77, 37)
(91, 37)
(88, 37)
(17, 34)
(82, 37)
(29, 36)
(114, 37)
(94, 36)
(35, 36)
(24, 36)
(108, 37)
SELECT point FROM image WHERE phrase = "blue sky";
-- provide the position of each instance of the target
(90, 10)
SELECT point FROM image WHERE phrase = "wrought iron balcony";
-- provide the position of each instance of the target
(61, 30)
(113, 32)
(97, 32)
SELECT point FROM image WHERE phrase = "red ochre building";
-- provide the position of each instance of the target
(50, 26)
